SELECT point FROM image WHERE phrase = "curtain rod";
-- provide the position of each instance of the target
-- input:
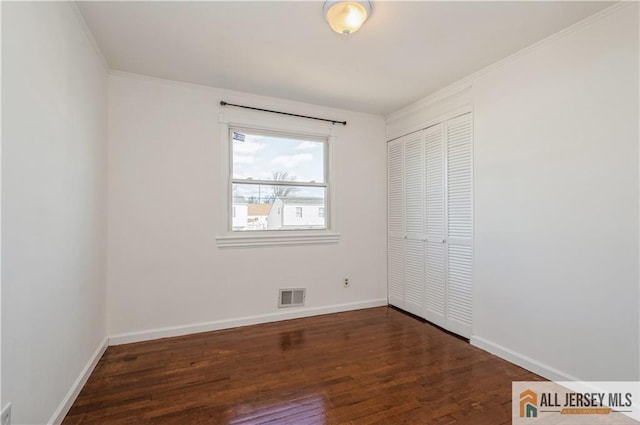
(223, 103)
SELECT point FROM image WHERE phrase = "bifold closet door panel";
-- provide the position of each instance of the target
(414, 223)
(414, 276)
(395, 270)
(435, 255)
(395, 223)
(459, 224)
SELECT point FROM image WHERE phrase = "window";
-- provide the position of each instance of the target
(280, 180)
(321, 212)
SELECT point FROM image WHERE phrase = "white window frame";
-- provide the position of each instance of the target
(279, 125)
(297, 136)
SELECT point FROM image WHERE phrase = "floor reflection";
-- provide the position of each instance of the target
(292, 339)
(299, 409)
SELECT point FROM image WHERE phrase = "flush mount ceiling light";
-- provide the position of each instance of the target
(346, 17)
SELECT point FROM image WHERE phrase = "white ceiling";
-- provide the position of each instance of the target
(405, 51)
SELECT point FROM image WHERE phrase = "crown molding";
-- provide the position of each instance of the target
(87, 32)
(467, 81)
(260, 100)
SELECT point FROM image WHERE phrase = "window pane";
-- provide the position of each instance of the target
(264, 207)
(261, 157)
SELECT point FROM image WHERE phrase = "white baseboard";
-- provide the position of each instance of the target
(77, 386)
(288, 314)
(521, 360)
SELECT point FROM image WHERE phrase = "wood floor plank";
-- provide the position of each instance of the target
(369, 367)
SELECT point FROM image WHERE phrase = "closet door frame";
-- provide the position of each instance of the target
(402, 238)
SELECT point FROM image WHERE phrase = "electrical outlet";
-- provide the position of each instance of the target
(5, 416)
(346, 282)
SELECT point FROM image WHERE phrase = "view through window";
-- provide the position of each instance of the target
(278, 182)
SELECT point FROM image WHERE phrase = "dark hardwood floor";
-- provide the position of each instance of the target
(374, 366)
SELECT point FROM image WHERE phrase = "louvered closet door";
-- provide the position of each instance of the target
(459, 224)
(414, 223)
(395, 223)
(435, 270)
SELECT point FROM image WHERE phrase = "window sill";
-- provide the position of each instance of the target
(292, 238)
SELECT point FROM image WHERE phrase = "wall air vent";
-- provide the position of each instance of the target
(291, 297)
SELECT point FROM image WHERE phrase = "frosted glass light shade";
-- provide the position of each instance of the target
(346, 17)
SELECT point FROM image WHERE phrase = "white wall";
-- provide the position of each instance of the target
(556, 202)
(53, 209)
(556, 196)
(165, 268)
